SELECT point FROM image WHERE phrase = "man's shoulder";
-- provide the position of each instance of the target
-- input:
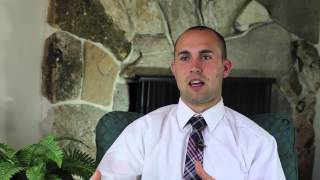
(245, 125)
(162, 110)
(151, 124)
(159, 114)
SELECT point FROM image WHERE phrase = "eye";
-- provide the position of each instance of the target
(206, 57)
(184, 57)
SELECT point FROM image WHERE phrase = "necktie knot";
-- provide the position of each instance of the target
(197, 122)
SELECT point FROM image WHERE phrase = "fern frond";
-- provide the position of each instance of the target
(63, 138)
(36, 172)
(52, 177)
(3, 156)
(79, 163)
(25, 156)
(7, 150)
(7, 153)
(46, 149)
(7, 170)
(53, 150)
(31, 155)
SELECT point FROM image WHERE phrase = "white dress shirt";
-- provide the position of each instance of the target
(154, 146)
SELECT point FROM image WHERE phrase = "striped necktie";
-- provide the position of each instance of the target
(195, 147)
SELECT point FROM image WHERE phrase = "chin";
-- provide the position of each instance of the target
(198, 100)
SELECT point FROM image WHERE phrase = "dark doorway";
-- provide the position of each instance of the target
(248, 96)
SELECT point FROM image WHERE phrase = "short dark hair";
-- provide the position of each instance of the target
(221, 41)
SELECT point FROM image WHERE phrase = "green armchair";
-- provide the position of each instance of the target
(280, 126)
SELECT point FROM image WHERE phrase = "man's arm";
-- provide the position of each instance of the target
(96, 175)
(124, 159)
(266, 164)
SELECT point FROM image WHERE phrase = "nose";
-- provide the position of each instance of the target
(196, 66)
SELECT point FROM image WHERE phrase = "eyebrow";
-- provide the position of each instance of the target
(183, 52)
(205, 51)
(202, 51)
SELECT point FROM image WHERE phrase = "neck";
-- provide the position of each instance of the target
(201, 107)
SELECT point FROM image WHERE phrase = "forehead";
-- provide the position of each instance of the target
(198, 39)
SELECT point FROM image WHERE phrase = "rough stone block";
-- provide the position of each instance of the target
(180, 15)
(279, 102)
(156, 55)
(308, 65)
(291, 85)
(221, 14)
(77, 121)
(121, 97)
(101, 70)
(118, 11)
(253, 13)
(303, 119)
(61, 68)
(299, 17)
(87, 19)
(136, 16)
(262, 52)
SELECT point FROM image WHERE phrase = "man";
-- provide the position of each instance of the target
(199, 138)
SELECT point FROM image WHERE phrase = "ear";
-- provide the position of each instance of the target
(227, 66)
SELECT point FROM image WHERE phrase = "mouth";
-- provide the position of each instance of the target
(196, 83)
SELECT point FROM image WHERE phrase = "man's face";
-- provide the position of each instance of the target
(199, 69)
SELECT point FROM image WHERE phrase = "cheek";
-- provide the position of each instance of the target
(181, 73)
(178, 68)
(213, 72)
(178, 76)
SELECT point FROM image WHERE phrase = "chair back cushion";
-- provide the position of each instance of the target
(280, 126)
(109, 128)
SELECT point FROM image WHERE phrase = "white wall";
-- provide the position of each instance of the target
(22, 36)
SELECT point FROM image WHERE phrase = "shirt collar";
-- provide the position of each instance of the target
(212, 115)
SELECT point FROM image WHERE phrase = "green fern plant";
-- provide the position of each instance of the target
(45, 160)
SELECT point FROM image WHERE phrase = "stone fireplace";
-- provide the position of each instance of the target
(98, 45)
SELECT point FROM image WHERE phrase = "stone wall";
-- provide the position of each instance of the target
(316, 125)
(316, 174)
(98, 44)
